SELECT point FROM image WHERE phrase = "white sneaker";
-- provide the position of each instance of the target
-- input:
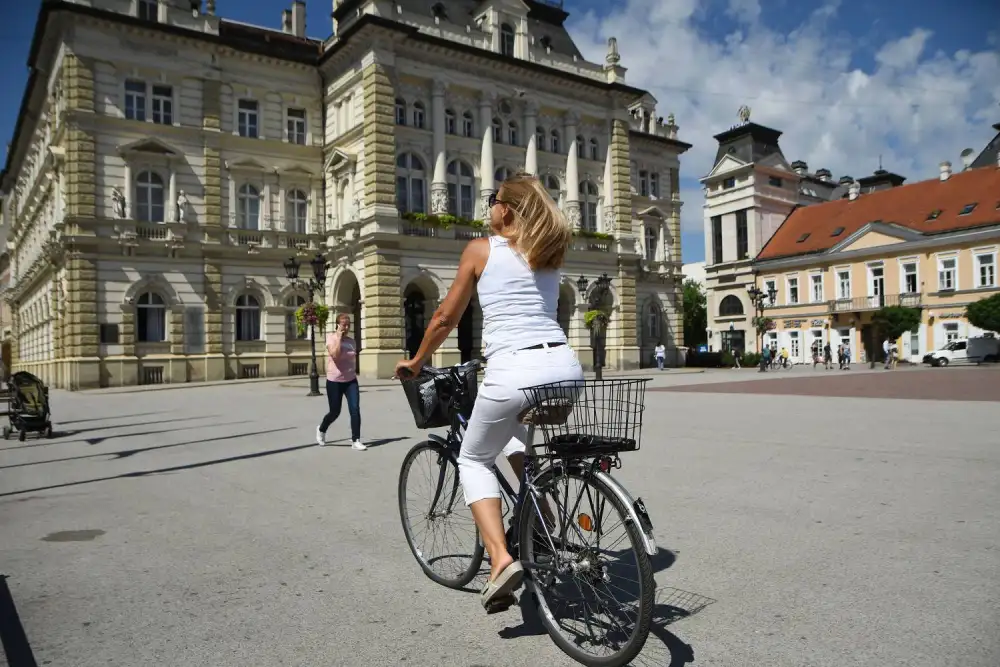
(357, 444)
(320, 437)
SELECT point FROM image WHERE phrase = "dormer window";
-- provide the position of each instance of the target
(147, 10)
(546, 42)
(968, 208)
(934, 215)
(507, 40)
(438, 11)
(838, 231)
(803, 238)
(774, 182)
(729, 183)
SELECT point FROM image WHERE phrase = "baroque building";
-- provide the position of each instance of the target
(166, 161)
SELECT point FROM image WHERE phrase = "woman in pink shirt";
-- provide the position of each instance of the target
(341, 381)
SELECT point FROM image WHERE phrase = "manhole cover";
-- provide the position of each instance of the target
(73, 536)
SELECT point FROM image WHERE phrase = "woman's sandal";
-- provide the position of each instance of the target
(497, 592)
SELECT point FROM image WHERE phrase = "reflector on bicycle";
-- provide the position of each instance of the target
(585, 522)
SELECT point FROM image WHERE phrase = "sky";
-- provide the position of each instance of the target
(848, 82)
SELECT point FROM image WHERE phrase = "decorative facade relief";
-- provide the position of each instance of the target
(439, 198)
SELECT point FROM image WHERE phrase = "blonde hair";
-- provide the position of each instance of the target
(540, 230)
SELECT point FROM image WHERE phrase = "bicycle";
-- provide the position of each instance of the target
(586, 426)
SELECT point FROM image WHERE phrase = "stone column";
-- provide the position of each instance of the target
(171, 196)
(84, 328)
(232, 201)
(215, 363)
(266, 218)
(379, 185)
(129, 191)
(608, 214)
(530, 128)
(382, 346)
(314, 211)
(211, 114)
(572, 172)
(439, 182)
(487, 184)
(621, 183)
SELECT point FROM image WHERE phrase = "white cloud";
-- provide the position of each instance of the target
(914, 108)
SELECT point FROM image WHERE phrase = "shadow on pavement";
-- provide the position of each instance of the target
(57, 436)
(99, 419)
(157, 471)
(15, 642)
(132, 452)
(371, 444)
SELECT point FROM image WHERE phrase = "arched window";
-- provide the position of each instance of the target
(588, 205)
(149, 197)
(247, 317)
(731, 306)
(507, 40)
(400, 111)
(248, 207)
(554, 142)
(291, 327)
(461, 189)
(552, 185)
(468, 124)
(497, 131)
(501, 175)
(581, 146)
(652, 322)
(540, 138)
(595, 150)
(410, 184)
(418, 115)
(650, 244)
(297, 210)
(512, 137)
(150, 318)
(449, 121)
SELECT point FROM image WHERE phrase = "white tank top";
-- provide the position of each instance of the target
(519, 305)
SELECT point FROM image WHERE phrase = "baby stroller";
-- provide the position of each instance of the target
(29, 406)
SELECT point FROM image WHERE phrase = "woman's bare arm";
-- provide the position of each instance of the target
(448, 314)
(334, 347)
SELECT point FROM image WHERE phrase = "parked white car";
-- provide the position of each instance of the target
(966, 351)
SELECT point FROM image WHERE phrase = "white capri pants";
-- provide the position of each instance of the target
(493, 426)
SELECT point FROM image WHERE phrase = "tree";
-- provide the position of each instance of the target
(985, 313)
(894, 321)
(695, 314)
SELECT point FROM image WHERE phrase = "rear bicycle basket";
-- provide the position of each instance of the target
(431, 395)
(588, 417)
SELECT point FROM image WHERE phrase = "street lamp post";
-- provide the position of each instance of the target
(312, 285)
(597, 337)
(759, 298)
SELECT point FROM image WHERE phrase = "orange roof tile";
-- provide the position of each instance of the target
(907, 205)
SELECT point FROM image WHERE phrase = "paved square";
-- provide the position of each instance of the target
(200, 526)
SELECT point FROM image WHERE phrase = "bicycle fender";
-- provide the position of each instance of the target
(437, 439)
(645, 528)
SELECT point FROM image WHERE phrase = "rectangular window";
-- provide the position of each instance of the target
(742, 238)
(644, 183)
(716, 239)
(109, 334)
(163, 105)
(729, 183)
(771, 287)
(947, 279)
(816, 285)
(297, 126)
(793, 345)
(844, 284)
(986, 270)
(654, 184)
(248, 119)
(793, 291)
(909, 278)
(135, 100)
(950, 332)
(774, 181)
(147, 10)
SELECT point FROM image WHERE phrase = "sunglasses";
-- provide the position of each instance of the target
(493, 201)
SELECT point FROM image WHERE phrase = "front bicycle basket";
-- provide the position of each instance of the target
(431, 395)
(588, 417)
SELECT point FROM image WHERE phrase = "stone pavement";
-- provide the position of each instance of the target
(202, 527)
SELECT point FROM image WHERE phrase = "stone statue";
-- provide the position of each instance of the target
(118, 201)
(744, 114)
(612, 58)
(670, 119)
(182, 202)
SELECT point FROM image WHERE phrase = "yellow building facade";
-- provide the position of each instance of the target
(831, 290)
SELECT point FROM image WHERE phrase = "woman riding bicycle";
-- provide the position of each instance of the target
(516, 274)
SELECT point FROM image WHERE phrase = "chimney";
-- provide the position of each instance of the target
(854, 191)
(968, 155)
(299, 18)
(824, 174)
(945, 170)
(845, 180)
(800, 167)
(286, 21)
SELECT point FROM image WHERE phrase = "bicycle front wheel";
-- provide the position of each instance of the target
(438, 525)
(589, 574)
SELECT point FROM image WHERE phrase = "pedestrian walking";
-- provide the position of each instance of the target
(765, 359)
(660, 352)
(342, 382)
(827, 357)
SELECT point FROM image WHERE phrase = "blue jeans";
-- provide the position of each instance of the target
(335, 392)
(659, 362)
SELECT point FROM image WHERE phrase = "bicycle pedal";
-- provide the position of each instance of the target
(501, 604)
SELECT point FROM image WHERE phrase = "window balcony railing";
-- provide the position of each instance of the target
(276, 224)
(861, 303)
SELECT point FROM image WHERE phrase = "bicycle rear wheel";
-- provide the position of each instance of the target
(437, 523)
(588, 562)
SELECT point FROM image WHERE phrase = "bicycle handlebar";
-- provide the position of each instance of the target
(472, 364)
